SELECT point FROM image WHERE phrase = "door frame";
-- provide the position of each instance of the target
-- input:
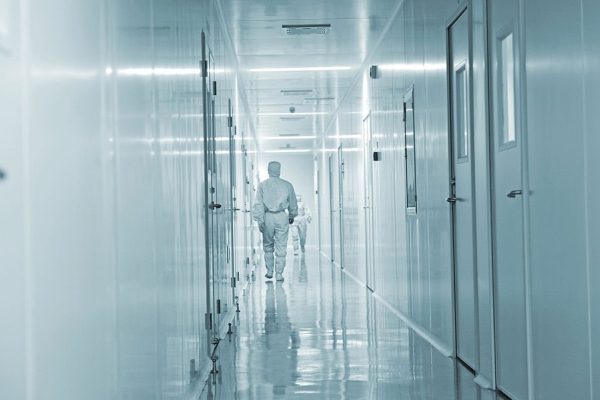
(208, 319)
(462, 10)
(331, 208)
(521, 92)
(341, 202)
(368, 204)
(232, 132)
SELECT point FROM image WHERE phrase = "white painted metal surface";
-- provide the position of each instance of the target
(462, 195)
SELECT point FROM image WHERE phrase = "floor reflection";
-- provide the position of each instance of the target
(319, 335)
(280, 360)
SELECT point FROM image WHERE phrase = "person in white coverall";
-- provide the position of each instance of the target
(273, 197)
(300, 226)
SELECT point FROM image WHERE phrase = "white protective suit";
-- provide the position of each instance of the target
(273, 197)
(300, 226)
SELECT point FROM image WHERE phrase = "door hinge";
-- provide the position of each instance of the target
(230, 122)
(237, 275)
(208, 321)
(214, 88)
(233, 282)
(218, 306)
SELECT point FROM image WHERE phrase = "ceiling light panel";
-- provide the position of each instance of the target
(302, 69)
(296, 92)
(306, 29)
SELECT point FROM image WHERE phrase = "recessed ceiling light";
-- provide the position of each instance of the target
(290, 115)
(296, 92)
(301, 69)
(289, 137)
(306, 29)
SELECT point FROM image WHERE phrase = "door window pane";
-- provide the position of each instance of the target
(507, 90)
(5, 27)
(462, 130)
(410, 155)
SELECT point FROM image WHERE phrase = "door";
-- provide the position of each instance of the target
(247, 206)
(332, 210)
(509, 273)
(209, 220)
(233, 209)
(461, 192)
(341, 202)
(368, 201)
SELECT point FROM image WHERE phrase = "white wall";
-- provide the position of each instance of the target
(102, 273)
(562, 128)
(412, 253)
(413, 258)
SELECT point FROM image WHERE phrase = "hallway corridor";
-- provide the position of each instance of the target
(319, 335)
(440, 158)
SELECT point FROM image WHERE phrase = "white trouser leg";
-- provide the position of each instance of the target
(282, 228)
(302, 230)
(269, 244)
(295, 237)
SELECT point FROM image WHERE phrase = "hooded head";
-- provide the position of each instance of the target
(274, 169)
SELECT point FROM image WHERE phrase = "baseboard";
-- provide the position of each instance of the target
(444, 349)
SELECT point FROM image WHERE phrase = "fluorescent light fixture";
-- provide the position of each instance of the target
(161, 71)
(299, 137)
(302, 69)
(349, 150)
(289, 114)
(413, 67)
(356, 136)
(196, 115)
(285, 151)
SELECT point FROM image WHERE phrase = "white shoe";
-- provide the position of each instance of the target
(279, 277)
(269, 275)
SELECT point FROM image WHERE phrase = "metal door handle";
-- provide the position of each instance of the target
(2, 174)
(236, 209)
(514, 193)
(214, 205)
(452, 200)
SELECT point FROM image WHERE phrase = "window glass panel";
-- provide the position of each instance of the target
(462, 130)
(507, 90)
(410, 155)
(4, 23)
(4, 18)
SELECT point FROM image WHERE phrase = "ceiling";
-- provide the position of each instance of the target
(264, 49)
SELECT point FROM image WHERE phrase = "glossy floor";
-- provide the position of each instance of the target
(320, 335)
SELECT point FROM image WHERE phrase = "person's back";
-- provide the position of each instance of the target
(273, 197)
(278, 191)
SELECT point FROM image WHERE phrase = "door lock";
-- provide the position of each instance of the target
(452, 200)
(514, 193)
(214, 205)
